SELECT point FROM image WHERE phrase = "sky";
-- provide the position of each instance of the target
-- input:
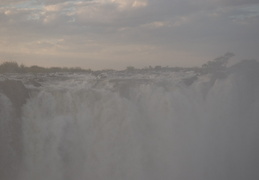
(114, 34)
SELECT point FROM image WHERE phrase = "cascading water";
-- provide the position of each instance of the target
(142, 128)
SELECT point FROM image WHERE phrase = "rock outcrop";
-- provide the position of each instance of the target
(13, 95)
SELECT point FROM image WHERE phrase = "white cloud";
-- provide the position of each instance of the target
(53, 8)
(126, 4)
(156, 24)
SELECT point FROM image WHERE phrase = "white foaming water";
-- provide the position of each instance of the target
(150, 128)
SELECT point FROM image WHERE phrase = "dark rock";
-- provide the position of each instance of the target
(15, 91)
(11, 148)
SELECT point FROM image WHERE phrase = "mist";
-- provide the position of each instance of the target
(149, 124)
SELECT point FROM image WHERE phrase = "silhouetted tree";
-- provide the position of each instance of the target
(9, 67)
(217, 65)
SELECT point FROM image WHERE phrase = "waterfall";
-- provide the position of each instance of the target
(79, 127)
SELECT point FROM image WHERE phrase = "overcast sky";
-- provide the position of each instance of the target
(100, 34)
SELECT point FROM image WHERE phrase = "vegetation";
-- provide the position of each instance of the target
(13, 67)
(215, 66)
(10, 67)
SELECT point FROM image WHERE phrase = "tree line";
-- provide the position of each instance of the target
(13, 67)
(217, 65)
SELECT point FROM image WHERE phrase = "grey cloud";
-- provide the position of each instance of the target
(198, 26)
(238, 2)
(10, 2)
(94, 16)
(49, 2)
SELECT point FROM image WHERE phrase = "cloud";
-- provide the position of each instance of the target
(237, 2)
(10, 2)
(53, 8)
(126, 4)
(112, 26)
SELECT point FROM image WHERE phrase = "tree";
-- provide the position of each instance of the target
(9, 67)
(217, 64)
(130, 69)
